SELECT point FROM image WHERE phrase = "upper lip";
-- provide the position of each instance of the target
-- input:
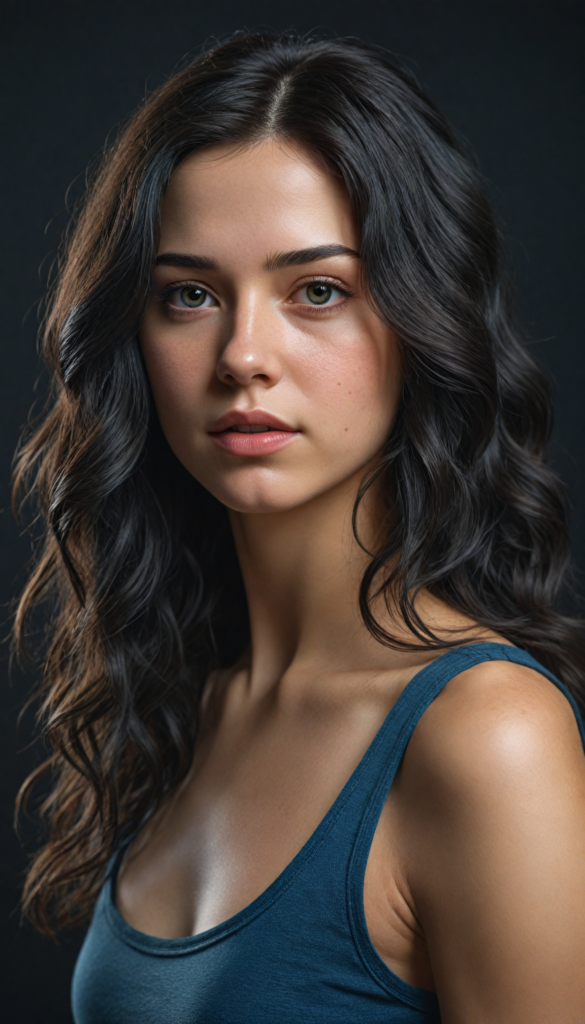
(252, 418)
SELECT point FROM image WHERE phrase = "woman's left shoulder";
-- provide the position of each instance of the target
(492, 791)
(494, 719)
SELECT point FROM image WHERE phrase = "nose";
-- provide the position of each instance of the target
(251, 353)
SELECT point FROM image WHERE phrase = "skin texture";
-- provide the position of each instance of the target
(475, 885)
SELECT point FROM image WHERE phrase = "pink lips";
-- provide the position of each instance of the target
(265, 442)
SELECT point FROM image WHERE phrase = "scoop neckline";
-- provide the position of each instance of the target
(190, 943)
(157, 945)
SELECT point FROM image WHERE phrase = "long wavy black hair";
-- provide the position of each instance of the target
(138, 567)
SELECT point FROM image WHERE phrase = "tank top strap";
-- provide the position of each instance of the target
(388, 748)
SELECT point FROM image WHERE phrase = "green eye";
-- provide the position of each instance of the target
(192, 296)
(319, 292)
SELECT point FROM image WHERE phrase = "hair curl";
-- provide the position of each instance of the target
(138, 565)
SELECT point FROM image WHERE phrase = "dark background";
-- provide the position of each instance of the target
(507, 75)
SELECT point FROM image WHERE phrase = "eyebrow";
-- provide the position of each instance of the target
(183, 259)
(281, 259)
(298, 256)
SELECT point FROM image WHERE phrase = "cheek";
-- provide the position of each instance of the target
(179, 374)
(353, 388)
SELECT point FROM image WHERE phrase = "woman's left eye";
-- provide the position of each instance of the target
(320, 293)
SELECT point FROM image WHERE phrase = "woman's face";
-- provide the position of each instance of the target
(273, 378)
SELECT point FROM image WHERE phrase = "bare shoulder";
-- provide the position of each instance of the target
(494, 718)
(491, 798)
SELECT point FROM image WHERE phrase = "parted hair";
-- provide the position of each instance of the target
(136, 568)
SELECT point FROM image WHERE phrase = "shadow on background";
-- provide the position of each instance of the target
(506, 73)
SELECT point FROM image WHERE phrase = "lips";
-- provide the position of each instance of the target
(253, 433)
(250, 418)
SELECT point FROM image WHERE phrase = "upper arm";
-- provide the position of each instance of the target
(494, 844)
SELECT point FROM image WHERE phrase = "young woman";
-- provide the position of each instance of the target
(303, 553)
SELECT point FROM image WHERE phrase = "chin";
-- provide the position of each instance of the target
(265, 492)
(253, 489)
(270, 500)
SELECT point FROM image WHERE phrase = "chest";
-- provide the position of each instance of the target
(250, 806)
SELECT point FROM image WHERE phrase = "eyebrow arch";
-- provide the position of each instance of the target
(299, 256)
(182, 259)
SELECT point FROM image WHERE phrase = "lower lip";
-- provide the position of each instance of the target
(262, 443)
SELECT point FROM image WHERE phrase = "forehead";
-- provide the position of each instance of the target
(272, 194)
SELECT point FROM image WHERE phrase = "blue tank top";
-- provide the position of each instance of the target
(301, 951)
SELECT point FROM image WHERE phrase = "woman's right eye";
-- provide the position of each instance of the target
(189, 296)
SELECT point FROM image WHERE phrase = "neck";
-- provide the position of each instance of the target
(302, 570)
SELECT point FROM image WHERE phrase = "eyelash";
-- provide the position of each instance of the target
(165, 294)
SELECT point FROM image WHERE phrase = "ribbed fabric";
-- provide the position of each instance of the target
(300, 953)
